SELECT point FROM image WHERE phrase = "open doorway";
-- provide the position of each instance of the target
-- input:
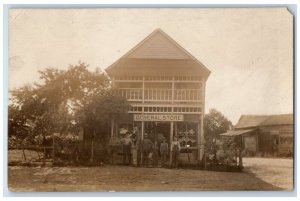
(157, 130)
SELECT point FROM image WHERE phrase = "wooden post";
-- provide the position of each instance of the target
(92, 154)
(143, 124)
(143, 108)
(176, 132)
(53, 152)
(240, 159)
(112, 128)
(171, 140)
(236, 157)
(24, 153)
(201, 137)
(205, 164)
(44, 159)
(199, 141)
(240, 153)
(37, 151)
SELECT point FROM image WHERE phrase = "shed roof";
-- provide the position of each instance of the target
(233, 133)
(284, 119)
(250, 121)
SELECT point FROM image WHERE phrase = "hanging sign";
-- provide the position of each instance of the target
(157, 117)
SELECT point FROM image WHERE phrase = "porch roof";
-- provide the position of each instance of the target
(234, 133)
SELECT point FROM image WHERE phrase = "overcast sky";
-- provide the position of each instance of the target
(248, 51)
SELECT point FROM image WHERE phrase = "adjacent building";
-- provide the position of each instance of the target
(267, 135)
(165, 86)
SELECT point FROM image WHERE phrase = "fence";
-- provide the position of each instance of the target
(223, 159)
(31, 154)
(53, 153)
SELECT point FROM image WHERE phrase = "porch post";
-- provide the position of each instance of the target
(201, 145)
(171, 139)
(143, 108)
(142, 136)
(176, 133)
(199, 141)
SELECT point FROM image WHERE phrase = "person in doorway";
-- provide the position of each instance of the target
(164, 152)
(139, 151)
(155, 154)
(175, 150)
(147, 147)
(127, 143)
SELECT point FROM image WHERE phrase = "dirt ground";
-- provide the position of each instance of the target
(278, 172)
(259, 174)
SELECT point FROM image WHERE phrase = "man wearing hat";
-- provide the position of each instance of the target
(164, 149)
(147, 147)
(127, 143)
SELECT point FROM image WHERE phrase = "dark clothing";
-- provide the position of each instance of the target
(155, 155)
(147, 147)
(139, 152)
(163, 159)
(164, 152)
(114, 145)
(175, 154)
(127, 142)
(145, 157)
(164, 148)
(127, 153)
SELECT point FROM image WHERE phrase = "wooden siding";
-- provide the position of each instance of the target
(158, 47)
(278, 138)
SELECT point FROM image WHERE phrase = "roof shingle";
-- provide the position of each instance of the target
(249, 121)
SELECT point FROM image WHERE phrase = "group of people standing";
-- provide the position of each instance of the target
(145, 151)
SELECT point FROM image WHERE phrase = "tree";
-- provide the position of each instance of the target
(215, 123)
(97, 115)
(64, 100)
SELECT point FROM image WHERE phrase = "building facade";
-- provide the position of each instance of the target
(266, 135)
(165, 86)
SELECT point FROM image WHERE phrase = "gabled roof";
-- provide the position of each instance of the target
(249, 121)
(284, 119)
(158, 45)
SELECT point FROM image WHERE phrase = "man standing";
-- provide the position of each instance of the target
(147, 147)
(164, 151)
(139, 151)
(127, 143)
(175, 150)
(155, 154)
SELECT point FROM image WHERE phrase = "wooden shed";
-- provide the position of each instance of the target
(266, 135)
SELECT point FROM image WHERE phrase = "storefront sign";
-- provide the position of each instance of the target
(157, 117)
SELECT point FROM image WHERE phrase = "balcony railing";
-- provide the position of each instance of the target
(156, 78)
(158, 94)
(186, 95)
(131, 93)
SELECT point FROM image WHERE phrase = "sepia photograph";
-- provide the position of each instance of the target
(150, 99)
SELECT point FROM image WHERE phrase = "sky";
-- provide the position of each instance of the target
(248, 51)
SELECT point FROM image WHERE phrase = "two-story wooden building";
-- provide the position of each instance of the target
(165, 86)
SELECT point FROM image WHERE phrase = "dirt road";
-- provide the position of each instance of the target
(278, 172)
(124, 178)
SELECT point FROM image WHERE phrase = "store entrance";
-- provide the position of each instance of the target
(156, 131)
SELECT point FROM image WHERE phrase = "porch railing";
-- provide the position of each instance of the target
(160, 94)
